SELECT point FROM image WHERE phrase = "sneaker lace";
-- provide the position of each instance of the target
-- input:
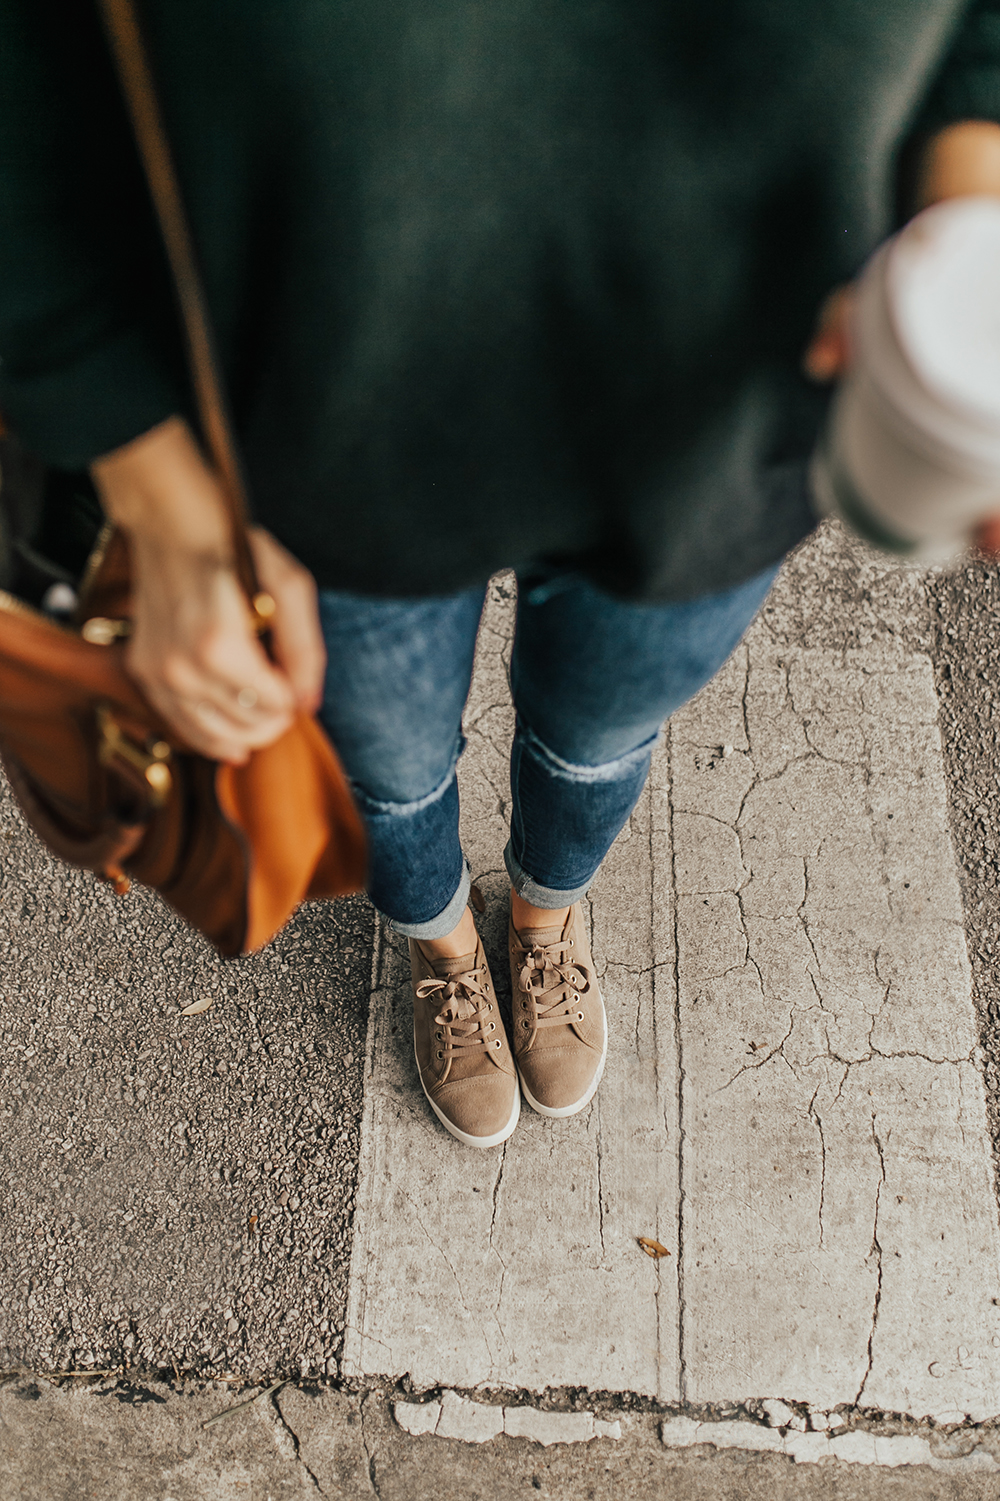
(556, 1002)
(463, 1003)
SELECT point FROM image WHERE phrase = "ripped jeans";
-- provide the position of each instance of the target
(593, 679)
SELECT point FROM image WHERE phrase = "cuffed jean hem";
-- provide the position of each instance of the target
(446, 920)
(540, 896)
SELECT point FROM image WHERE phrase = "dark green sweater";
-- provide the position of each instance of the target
(495, 281)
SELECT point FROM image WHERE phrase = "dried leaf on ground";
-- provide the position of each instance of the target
(652, 1247)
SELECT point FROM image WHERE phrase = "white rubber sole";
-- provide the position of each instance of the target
(581, 1104)
(476, 1141)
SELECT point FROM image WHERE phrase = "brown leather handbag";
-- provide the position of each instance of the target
(99, 776)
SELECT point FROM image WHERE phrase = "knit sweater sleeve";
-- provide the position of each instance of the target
(967, 85)
(82, 363)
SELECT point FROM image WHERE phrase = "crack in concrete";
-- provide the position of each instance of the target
(843, 1080)
(804, 923)
(749, 958)
(502, 795)
(886, 992)
(833, 1057)
(473, 1314)
(635, 971)
(822, 1007)
(875, 1251)
(372, 1471)
(503, 1265)
(820, 754)
(599, 1153)
(470, 721)
(496, 1188)
(744, 696)
(293, 1439)
(364, 1338)
(814, 1116)
(830, 1053)
(443, 1254)
(775, 1052)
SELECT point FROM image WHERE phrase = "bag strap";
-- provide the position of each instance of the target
(136, 78)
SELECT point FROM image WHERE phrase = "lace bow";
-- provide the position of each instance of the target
(464, 1001)
(556, 1002)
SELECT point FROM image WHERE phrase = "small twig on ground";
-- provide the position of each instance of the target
(228, 1412)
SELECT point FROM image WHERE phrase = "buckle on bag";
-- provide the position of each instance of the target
(151, 763)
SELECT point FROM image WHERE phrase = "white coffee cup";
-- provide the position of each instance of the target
(910, 458)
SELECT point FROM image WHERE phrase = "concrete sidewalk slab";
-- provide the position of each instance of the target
(472, 1267)
(808, 1066)
(840, 1229)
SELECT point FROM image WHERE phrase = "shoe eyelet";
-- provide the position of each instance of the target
(498, 1043)
(575, 996)
(437, 1036)
(571, 943)
(524, 1025)
(579, 1016)
(492, 1027)
(439, 1054)
(490, 1006)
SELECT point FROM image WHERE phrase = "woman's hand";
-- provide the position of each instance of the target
(194, 650)
(960, 161)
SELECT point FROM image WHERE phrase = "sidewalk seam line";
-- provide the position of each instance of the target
(679, 1056)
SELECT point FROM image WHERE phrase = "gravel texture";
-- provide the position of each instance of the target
(965, 614)
(177, 1191)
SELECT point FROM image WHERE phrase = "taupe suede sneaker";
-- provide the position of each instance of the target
(464, 1060)
(560, 1028)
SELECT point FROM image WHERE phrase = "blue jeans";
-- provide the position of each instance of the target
(593, 679)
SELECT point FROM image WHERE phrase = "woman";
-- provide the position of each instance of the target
(499, 285)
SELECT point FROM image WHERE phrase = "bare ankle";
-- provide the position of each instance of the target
(461, 940)
(523, 915)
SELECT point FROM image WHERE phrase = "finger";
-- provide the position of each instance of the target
(246, 694)
(247, 681)
(230, 669)
(197, 732)
(829, 353)
(206, 729)
(296, 633)
(212, 717)
(242, 684)
(298, 645)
